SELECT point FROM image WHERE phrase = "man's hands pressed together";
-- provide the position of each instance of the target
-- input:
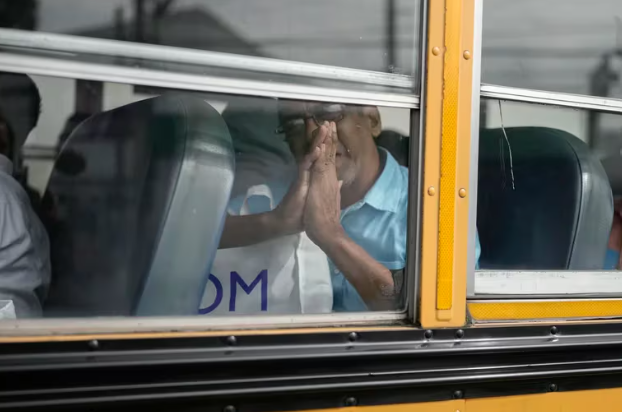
(289, 214)
(313, 205)
(288, 217)
(322, 223)
(323, 207)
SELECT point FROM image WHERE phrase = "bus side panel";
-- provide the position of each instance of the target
(579, 401)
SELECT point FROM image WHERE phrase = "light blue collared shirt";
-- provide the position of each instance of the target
(377, 223)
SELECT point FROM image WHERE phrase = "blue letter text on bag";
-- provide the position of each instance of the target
(237, 279)
(218, 298)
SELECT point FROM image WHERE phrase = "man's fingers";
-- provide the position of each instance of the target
(310, 158)
(318, 135)
(332, 151)
(330, 142)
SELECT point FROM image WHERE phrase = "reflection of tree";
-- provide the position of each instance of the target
(21, 14)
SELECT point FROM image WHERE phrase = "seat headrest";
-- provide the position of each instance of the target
(396, 144)
(146, 167)
(557, 211)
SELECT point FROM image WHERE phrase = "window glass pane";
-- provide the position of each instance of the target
(361, 34)
(548, 177)
(131, 187)
(568, 46)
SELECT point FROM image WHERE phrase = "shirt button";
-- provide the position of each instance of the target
(336, 271)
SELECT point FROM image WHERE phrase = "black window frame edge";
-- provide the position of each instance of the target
(313, 370)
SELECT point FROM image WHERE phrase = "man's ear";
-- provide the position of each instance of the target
(372, 113)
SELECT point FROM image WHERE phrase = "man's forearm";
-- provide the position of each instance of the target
(248, 230)
(372, 280)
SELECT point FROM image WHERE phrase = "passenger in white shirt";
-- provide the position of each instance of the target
(24, 246)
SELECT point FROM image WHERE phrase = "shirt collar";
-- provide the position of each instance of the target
(6, 166)
(386, 192)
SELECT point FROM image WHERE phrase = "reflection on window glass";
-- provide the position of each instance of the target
(568, 46)
(362, 34)
(548, 178)
(129, 200)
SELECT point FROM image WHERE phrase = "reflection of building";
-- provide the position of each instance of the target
(189, 28)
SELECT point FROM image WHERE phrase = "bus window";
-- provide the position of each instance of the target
(568, 46)
(548, 177)
(279, 35)
(160, 203)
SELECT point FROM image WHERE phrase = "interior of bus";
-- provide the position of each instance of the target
(546, 187)
(119, 76)
(116, 170)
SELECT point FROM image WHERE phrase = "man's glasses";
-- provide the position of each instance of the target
(319, 113)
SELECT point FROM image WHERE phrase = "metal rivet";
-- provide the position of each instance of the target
(351, 401)
(93, 344)
(466, 55)
(435, 51)
(229, 408)
(431, 191)
(554, 330)
(353, 337)
(462, 192)
(232, 340)
(460, 334)
(458, 395)
(428, 334)
(552, 388)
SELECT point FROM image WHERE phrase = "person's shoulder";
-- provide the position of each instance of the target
(11, 191)
(403, 173)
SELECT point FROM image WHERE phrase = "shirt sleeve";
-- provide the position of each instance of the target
(611, 260)
(23, 269)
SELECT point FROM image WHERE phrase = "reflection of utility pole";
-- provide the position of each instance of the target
(160, 9)
(139, 21)
(601, 81)
(391, 40)
(19, 14)
(147, 16)
(119, 24)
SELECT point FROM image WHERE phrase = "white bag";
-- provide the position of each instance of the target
(286, 275)
(7, 310)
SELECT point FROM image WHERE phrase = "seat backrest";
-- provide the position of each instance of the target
(138, 227)
(559, 211)
(396, 144)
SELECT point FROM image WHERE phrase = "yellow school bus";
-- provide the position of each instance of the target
(454, 247)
